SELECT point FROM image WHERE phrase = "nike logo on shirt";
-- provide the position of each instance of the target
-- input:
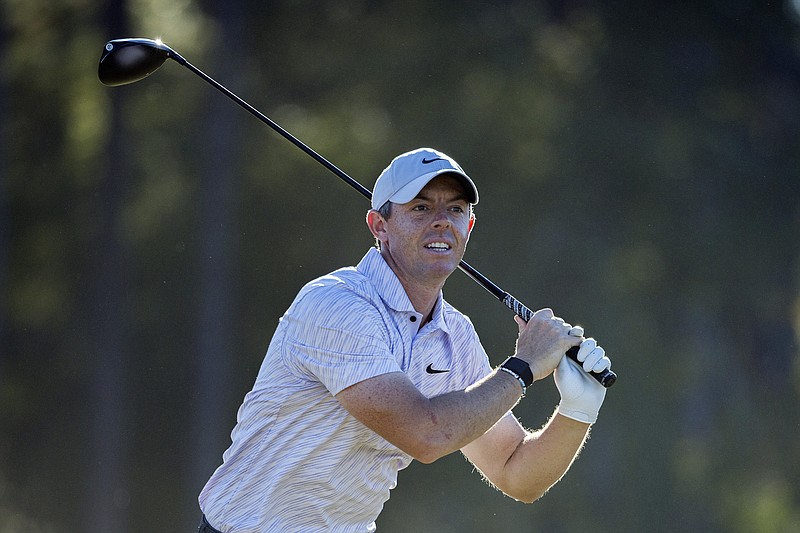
(431, 370)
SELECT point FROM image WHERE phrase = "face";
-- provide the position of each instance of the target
(424, 240)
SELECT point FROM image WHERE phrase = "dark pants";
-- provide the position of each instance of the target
(205, 527)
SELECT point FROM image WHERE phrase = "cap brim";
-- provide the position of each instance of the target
(411, 190)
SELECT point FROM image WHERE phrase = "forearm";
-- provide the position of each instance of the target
(542, 458)
(429, 428)
(457, 418)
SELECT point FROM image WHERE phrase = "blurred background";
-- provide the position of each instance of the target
(638, 168)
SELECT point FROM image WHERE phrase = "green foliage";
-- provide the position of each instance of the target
(638, 173)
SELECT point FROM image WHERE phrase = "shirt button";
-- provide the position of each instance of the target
(413, 318)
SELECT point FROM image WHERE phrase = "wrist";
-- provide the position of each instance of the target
(519, 379)
(579, 415)
(520, 370)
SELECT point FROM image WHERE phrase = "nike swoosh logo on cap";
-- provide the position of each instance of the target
(431, 370)
(427, 161)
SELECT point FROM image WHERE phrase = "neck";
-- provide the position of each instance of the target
(423, 300)
(423, 294)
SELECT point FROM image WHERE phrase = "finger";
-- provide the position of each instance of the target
(544, 313)
(602, 364)
(576, 331)
(586, 348)
(571, 330)
(520, 322)
(593, 359)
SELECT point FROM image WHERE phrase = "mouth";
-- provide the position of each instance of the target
(438, 246)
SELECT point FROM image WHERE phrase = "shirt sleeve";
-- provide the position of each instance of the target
(336, 337)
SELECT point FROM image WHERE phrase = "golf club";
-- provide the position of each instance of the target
(126, 61)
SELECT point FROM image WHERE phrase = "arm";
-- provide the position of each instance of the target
(429, 428)
(524, 465)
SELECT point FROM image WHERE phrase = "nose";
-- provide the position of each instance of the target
(441, 219)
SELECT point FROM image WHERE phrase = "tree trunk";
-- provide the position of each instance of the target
(215, 336)
(109, 325)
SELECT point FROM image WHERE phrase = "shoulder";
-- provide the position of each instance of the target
(340, 299)
(346, 285)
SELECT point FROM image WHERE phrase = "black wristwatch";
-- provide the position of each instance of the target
(520, 370)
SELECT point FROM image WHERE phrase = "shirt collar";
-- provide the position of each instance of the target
(391, 291)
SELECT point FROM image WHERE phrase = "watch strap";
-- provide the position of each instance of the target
(520, 368)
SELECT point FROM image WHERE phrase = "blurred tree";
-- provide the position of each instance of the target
(109, 326)
(219, 282)
(5, 217)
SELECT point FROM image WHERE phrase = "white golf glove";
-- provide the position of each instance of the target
(581, 394)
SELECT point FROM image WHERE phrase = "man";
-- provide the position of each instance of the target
(370, 368)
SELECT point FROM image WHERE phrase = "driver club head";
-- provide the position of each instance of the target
(129, 60)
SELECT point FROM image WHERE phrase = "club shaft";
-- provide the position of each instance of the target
(605, 378)
(275, 126)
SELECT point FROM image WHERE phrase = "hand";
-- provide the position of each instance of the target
(543, 340)
(582, 395)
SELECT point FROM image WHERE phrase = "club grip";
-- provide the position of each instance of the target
(606, 378)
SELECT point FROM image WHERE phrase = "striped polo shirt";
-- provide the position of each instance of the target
(298, 460)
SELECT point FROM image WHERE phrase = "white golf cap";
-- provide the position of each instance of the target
(408, 173)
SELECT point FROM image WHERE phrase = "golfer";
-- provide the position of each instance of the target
(370, 368)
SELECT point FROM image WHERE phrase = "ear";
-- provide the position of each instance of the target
(471, 223)
(377, 225)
